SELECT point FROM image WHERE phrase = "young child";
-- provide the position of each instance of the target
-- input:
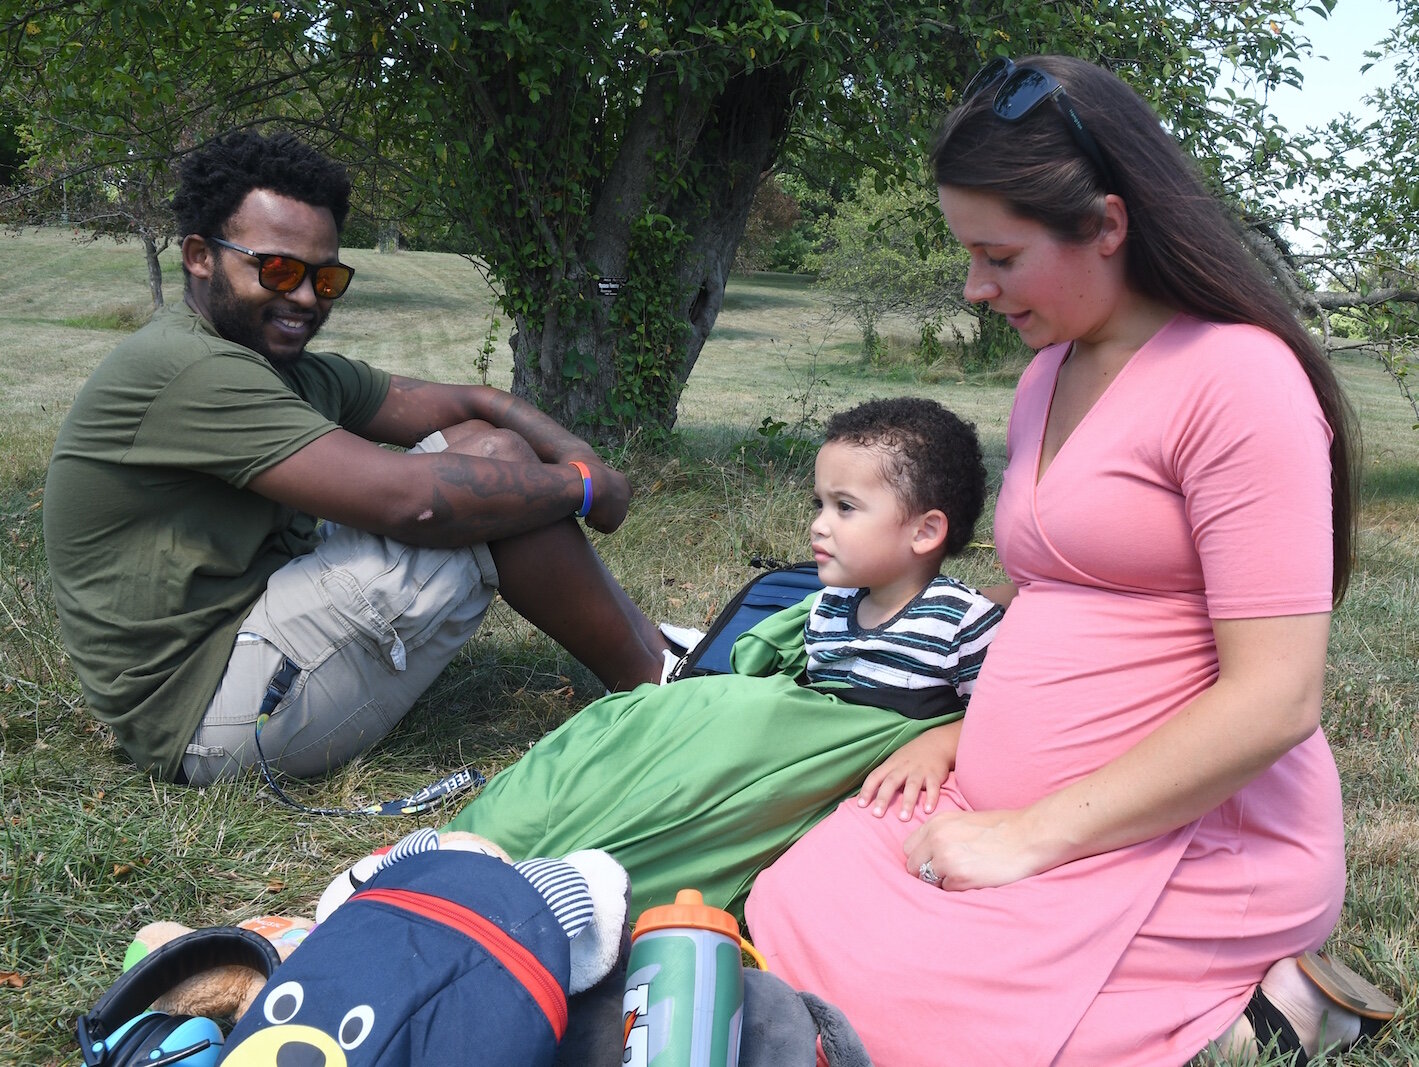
(703, 782)
(898, 487)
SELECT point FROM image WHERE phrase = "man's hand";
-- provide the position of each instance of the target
(610, 496)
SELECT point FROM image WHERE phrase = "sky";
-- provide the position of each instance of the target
(1333, 82)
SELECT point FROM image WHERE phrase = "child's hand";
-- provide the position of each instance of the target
(917, 769)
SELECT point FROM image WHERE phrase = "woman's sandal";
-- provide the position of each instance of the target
(1338, 984)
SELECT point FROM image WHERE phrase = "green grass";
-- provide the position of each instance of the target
(92, 850)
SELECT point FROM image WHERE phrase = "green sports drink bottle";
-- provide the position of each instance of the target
(684, 1001)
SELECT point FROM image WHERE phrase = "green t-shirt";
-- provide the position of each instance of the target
(156, 548)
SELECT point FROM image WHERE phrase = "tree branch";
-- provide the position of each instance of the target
(1331, 300)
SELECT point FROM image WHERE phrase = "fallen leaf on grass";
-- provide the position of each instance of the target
(123, 870)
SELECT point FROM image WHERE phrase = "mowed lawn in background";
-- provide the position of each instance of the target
(92, 850)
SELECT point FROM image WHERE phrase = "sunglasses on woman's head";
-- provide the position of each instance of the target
(284, 274)
(1022, 89)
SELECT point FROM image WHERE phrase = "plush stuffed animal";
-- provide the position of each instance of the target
(595, 941)
(595, 945)
(441, 955)
(425, 840)
(223, 992)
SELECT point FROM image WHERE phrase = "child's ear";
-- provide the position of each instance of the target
(930, 535)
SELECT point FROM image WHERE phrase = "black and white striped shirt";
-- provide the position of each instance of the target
(940, 638)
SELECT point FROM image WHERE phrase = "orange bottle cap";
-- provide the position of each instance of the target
(689, 910)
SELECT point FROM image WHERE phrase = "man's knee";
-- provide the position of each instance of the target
(478, 438)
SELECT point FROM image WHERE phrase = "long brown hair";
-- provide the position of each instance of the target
(1183, 247)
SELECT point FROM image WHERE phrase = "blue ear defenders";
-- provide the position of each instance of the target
(120, 1031)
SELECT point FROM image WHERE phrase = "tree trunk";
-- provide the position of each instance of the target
(155, 269)
(617, 356)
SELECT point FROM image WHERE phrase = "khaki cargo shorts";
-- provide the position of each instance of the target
(369, 623)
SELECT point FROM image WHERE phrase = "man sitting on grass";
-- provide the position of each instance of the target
(191, 579)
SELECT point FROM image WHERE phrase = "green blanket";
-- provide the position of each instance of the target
(699, 784)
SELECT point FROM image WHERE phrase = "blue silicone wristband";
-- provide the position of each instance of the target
(585, 509)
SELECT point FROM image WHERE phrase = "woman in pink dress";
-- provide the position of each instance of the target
(1139, 815)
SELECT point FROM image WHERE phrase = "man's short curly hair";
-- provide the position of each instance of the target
(930, 458)
(215, 179)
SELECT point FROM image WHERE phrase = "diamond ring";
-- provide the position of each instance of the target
(927, 875)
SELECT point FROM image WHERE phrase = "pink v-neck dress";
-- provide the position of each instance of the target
(1197, 488)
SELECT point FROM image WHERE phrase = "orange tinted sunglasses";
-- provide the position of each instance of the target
(284, 274)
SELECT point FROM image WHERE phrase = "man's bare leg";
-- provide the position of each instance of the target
(554, 579)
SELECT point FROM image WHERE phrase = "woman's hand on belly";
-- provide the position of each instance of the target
(1264, 701)
(975, 849)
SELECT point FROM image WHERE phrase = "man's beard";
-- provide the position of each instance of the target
(244, 323)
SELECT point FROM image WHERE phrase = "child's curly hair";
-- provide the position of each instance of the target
(214, 180)
(930, 457)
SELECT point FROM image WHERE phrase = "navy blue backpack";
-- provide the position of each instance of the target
(763, 595)
(442, 958)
